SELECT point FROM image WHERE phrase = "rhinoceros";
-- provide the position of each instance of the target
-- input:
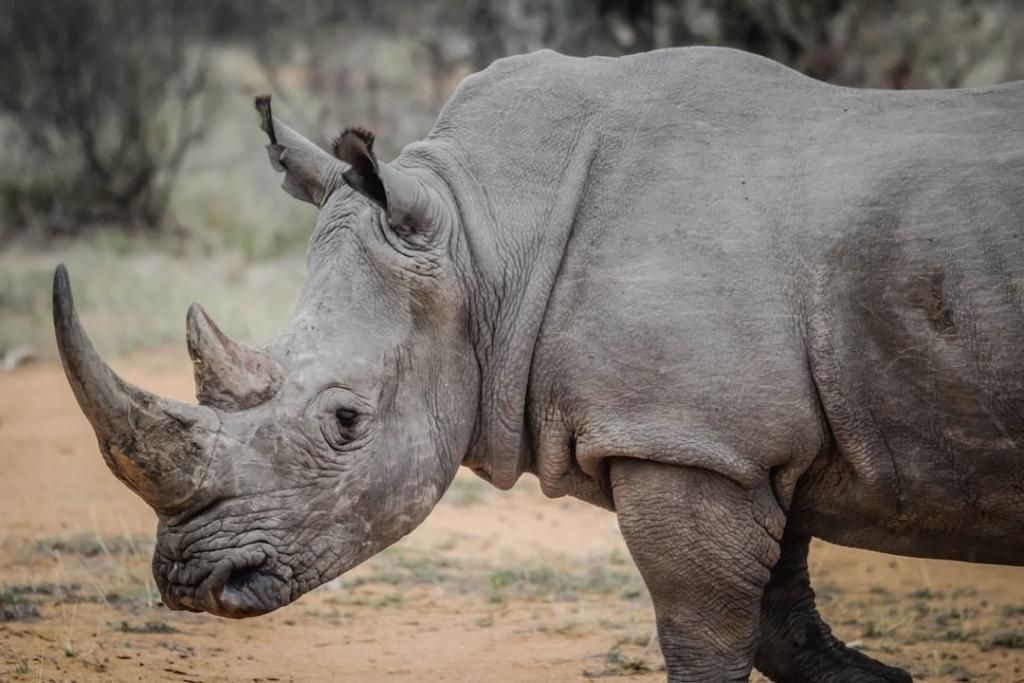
(739, 307)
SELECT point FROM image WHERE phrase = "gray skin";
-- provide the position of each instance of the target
(739, 307)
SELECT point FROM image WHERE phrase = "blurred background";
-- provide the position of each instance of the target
(132, 153)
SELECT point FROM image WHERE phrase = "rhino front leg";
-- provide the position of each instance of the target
(705, 547)
(796, 645)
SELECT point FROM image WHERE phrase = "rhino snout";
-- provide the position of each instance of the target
(235, 589)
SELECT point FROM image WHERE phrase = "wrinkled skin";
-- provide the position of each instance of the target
(738, 307)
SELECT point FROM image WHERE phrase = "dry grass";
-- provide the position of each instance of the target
(137, 299)
(239, 250)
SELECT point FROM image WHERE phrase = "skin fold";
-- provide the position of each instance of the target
(739, 307)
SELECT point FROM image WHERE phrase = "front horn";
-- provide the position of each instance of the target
(158, 447)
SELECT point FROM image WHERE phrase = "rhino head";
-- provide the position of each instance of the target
(307, 456)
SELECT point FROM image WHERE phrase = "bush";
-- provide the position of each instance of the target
(103, 99)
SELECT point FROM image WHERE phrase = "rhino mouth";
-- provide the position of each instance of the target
(233, 591)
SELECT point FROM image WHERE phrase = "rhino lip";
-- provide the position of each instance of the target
(248, 591)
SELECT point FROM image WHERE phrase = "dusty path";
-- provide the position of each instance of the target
(493, 587)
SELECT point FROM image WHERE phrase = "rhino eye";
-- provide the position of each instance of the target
(344, 429)
(348, 419)
(343, 418)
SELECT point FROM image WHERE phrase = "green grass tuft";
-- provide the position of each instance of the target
(1008, 639)
(148, 627)
(13, 607)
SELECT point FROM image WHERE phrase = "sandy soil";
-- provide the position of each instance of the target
(493, 587)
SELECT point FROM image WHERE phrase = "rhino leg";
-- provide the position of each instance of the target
(705, 547)
(796, 645)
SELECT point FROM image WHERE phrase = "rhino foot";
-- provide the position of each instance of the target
(839, 664)
(796, 646)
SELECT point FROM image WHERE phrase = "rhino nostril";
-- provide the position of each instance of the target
(249, 591)
(241, 578)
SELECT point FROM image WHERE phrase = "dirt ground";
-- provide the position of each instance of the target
(493, 587)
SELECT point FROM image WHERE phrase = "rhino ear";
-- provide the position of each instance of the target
(310, 173)
(406, 200)
(355, 147)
